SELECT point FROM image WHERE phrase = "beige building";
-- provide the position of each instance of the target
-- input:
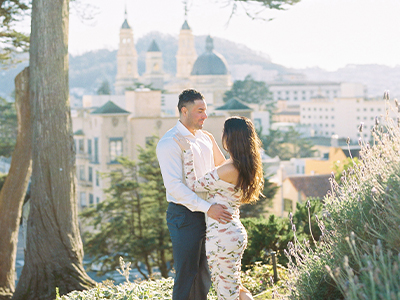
(102, 134)
(207, 73)
(127, 70)
(297, 188)
(186, 56)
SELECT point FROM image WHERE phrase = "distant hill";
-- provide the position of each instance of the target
(377, 78)
(89, 70)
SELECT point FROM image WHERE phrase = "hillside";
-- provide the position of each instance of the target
(89, 70)
(377, 78)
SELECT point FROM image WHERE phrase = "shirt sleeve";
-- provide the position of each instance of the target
(203, 184)
(169, 158)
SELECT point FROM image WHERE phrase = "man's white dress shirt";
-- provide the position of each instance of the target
(169, 156)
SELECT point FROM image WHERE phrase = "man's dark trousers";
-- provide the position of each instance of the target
(188, 234)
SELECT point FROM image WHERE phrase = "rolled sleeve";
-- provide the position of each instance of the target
(169, 158)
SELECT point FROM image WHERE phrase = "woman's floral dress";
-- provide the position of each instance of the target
(225, 243)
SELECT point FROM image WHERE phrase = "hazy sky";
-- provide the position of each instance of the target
(325, 33)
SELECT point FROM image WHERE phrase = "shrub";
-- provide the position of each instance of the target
(274, 234)
(257, 280)
(357, 256)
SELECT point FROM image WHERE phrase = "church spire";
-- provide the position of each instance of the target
(125, 25)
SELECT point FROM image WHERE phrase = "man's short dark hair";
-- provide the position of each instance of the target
(188, 96)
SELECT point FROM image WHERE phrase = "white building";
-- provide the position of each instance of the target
(342, 116)
(297, 92)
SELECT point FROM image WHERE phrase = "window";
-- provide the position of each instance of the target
(82, 198)
(97, 200)
(81, 147)
(89, 147)
(90, 174)
(115, 148)
(97, 178)
(96, 150)
(91, 200)
(287, 205)
(81, 172)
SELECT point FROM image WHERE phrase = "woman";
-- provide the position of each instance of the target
(239, 180)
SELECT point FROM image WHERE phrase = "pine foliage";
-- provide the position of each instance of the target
(131, 222)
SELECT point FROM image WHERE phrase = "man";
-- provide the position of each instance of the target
(186, 209)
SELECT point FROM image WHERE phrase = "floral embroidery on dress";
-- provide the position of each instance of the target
(225, 243)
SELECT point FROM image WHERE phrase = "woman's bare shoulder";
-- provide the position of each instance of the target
(228, 172)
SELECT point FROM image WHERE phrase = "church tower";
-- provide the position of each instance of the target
(186, 55)
(154, 74)
(127, 70)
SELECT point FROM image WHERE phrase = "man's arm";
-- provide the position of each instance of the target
(219, 157)
(169, 158)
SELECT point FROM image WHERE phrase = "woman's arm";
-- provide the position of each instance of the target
(203, 184)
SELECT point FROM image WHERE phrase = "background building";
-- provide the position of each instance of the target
(106, 131)
(342, 116)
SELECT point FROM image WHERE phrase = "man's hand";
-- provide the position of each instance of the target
(218, 212)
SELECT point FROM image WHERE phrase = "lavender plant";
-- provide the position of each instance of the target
(357, 256)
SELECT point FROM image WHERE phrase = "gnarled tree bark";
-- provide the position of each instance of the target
(13, 192)
(54, 247)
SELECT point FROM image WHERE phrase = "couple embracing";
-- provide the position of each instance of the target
(204, 191)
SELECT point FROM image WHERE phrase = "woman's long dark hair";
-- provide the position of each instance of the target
(240, 139)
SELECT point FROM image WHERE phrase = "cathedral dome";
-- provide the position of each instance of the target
(210, 62)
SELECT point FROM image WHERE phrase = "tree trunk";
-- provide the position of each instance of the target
(13, 192)
(54, 247)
